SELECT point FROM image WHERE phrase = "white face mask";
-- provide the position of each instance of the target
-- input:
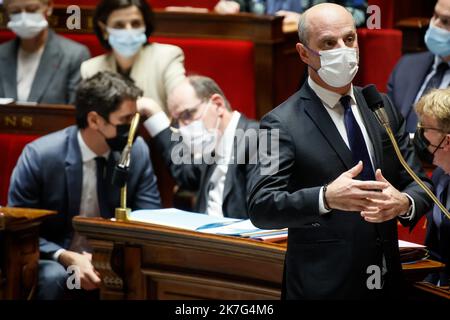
(198, 138)
(27, 25)
(338, 67)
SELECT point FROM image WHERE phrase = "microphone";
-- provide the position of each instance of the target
(376, 104)
(120, 174)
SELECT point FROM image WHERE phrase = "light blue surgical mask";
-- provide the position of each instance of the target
(126, 42)
(27, 25)
(438, 41)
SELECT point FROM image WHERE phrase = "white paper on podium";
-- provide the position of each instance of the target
(178, 218)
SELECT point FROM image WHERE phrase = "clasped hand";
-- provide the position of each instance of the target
(377, 201)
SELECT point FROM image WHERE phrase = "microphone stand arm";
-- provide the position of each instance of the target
(410, 171)
(122, 213)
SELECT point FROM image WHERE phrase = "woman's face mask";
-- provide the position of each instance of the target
(27, 25)
(338, 67)
(126, 42)
(198, 138)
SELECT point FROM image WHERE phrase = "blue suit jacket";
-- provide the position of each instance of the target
(49, 174)
(438, 239)
(405, 82)
(58, 73)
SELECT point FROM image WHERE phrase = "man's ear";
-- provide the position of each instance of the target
(303, 53)
(93, 120)
(446, 144)
(219, 101)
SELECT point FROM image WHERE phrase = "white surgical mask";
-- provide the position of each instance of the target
(27, 25)
(127, 42)
(338, 67)
(198, 138)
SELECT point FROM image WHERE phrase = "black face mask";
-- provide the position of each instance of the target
(119, 142)
(421, 145)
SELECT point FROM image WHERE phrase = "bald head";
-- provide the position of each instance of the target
(323, 17)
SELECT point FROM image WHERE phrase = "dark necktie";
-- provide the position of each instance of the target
(356, 140)
(433, 83)
(441, 193)
(102, 187)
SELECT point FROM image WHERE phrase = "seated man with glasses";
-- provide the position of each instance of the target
(433, 111)
(207, 146)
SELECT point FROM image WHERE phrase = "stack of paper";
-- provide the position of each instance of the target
(207, 224)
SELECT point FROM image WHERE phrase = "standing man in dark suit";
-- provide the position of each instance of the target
(339, 187)
(433, 110)
(416, 74)
(212, 151)
(70, 171)
(38, 66)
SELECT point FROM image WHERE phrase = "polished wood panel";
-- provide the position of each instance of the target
(154, 262)
(35, 119)
(19, 251)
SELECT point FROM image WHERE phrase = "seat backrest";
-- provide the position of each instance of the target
(11, 146)
(387, 8)
(379, 52)
(229, 62)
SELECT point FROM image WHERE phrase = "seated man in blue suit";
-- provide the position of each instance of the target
(70, 171)
(433, 110)
(38, 65)
(415, 74)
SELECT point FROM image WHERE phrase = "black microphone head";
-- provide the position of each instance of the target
(372, 97)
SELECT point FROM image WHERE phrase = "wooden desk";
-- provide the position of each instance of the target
(144, 261)
(19, 251)
(35, 119)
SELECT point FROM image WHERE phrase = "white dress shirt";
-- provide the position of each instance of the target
(445, 80)
(224, 149)
(330, 101)
(27, 65)
(89, 206)
(224, 156)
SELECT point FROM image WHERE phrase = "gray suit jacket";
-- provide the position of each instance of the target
(58, 73)
(49, 175)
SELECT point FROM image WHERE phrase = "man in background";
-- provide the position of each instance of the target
(206, 148)
(433, 111)
(417, 74)
(70, 171)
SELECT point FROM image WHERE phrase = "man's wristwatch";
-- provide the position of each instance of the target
(325, 204)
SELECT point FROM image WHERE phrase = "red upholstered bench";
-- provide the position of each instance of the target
(229, 62)
(379, 52)
(11, 146)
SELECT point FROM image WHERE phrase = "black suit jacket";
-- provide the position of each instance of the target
(438, 239)
(405, 82)
(195, 177)
(328, 256)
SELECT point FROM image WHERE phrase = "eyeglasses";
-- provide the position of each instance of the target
(187, 115)
(422, 127)
(421, 130)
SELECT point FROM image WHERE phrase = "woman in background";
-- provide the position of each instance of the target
(38, 66)
(123, 28)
